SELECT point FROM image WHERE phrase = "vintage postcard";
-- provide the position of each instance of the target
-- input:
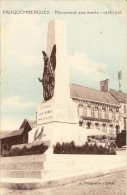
(63, 97)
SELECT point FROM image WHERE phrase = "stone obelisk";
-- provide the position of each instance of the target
(60, 107)
(57, 36)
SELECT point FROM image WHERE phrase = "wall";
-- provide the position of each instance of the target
(83, 162)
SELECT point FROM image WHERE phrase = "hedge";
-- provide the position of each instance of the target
(71, 148)
(37, 149)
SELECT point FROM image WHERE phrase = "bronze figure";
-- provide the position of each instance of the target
(48, 80)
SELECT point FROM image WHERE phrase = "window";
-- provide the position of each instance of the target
(104, 128)
(96, 125)
(96, 112)
(111, 130)
(124, 108)
(103, 113)
(110, 114)
(88, 125)
(80, 110)
(117, 116)
(89, 111)
(80, 122)
(84, 110)
(117, 109)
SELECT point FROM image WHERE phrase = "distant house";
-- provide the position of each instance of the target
(19, 136)
(2, 135)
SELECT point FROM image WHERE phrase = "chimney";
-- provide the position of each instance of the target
(104, 85)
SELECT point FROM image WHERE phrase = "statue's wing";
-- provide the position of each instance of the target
(53, 57)
(44, 54)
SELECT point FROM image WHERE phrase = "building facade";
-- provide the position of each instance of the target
(99, 109)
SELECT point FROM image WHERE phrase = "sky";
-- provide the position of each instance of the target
(96, 48)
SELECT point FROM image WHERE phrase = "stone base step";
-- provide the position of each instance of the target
(49, 180)
(22, 174)
(23, 159)
(22, 166)
(21, 183)
(31, 174)
(52, 180)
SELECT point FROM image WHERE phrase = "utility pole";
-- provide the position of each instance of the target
(120, 78)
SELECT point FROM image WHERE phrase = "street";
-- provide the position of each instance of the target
(111, 184)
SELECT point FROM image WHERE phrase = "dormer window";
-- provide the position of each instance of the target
(117, 109)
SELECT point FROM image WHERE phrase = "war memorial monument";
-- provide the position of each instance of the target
(57, 116)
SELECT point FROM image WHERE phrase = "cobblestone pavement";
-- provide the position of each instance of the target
(111, 184)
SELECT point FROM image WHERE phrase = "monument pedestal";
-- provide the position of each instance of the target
(60, 132)
(59, 123)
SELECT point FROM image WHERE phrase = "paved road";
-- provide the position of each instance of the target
(111, 184)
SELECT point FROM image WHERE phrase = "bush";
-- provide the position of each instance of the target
(64, 148)
(37, 149)
(71, 148)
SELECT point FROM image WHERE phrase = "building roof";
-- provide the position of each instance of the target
(4, 134)
(90, 94)
(15, 133)
(32, 123)
(19, 131)
(118, 95)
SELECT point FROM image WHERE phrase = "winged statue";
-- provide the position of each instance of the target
(48, 80)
